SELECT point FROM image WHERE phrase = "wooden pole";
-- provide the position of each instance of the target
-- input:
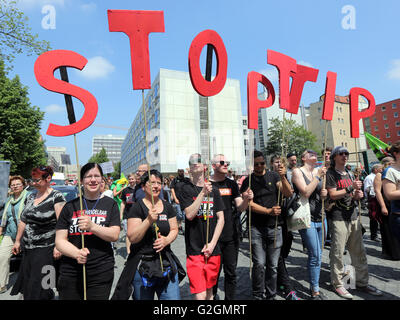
(148, 171)
(358, 176)
(81, 207)
(323, 187)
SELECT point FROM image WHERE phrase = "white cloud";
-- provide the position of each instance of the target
(96, 68)
(304, 63)
(54, 108)
(88, 7)
(394, 72)
(271, 74)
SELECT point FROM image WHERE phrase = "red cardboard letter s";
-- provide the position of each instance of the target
(45, 66)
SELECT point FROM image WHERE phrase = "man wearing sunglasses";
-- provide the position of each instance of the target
(229, 239)
(203, 259)
(264, 207)
(346, 229)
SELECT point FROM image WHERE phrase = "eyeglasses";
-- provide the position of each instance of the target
(222, 163)
(16, 185)
(36, 180)
(259, 163)
(96, 177)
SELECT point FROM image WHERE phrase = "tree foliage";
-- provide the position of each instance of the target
(117, 171)
(99, 157)
(20, 140)
(15, 34)
(296, 137)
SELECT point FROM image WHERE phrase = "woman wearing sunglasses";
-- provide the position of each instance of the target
(9, 225)
(37, 231)
(307, 181)
(101, 226)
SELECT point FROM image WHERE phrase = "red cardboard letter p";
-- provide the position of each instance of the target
(356, 115)
(253, 103)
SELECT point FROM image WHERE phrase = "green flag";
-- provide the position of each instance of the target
(377, 146)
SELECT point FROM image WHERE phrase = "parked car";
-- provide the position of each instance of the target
(69, 192)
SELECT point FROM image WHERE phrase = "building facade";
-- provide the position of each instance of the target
(338, 130)
(178, 125)
(111, 143)
(385, 122)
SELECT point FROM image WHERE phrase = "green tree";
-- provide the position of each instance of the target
(15, 34)
(99, 157)
(117, 171)
(296, 137)
(20, 140)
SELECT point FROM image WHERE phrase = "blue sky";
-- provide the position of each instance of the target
(310, 31)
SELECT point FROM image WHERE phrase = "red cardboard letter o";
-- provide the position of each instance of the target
(201, 85)
(44, 68)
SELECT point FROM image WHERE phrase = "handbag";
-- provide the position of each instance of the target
(301, 218)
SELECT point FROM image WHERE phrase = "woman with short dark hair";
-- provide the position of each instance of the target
(37, 231)
(9, 224)
(100, 224)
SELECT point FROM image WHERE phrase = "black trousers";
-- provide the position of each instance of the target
(229, 256)
(97, 288)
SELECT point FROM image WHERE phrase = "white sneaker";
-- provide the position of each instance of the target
(343, 293)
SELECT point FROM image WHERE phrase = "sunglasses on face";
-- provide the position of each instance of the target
(36, 180)
(195, 161)
(344, 153)
(222, 163)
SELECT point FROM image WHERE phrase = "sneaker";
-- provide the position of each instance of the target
(319, 296)
(371, 290)
(292, 296)
(343, 293)
(3, 289)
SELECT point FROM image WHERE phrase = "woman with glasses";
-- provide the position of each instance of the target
(100, 225)
(307, 181)
(9, 224)
(148, 250)
(37, 231)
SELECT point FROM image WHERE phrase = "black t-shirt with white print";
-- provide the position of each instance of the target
(101, 257)
(344, 208)
(229, 191)
(127, 195)
(196, 229)
(140, 210)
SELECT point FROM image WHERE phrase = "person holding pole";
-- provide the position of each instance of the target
(148, 276)
(265, 185)
(100, 223)
(345, 226)
(37, 231)
(203, 259)
(229, 239)
(307, 181)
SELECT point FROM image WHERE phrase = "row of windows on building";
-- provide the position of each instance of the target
(393, 107)
(387, 135)
(384, 117)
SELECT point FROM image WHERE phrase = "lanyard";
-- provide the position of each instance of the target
(84, 200)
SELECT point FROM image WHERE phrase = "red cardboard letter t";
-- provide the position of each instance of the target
(356, 115)
(137, 25)
(253, 103)
(285, 66)
(44, 68)
(302, 75)
(202, 86)
(329, 99)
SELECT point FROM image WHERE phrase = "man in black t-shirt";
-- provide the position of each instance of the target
(229, 239)
(176, 187)
(346, 229)
(203, 259)
(265, 212)
(127, 197)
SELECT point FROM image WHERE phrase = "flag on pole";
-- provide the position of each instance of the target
(377, 146)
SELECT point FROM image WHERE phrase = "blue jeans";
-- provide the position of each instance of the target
(265, 260)
(170, 291)
(312, 238)
(180, 216)
(394, 221)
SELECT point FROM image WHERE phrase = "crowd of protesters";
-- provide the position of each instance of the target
(76, 238)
